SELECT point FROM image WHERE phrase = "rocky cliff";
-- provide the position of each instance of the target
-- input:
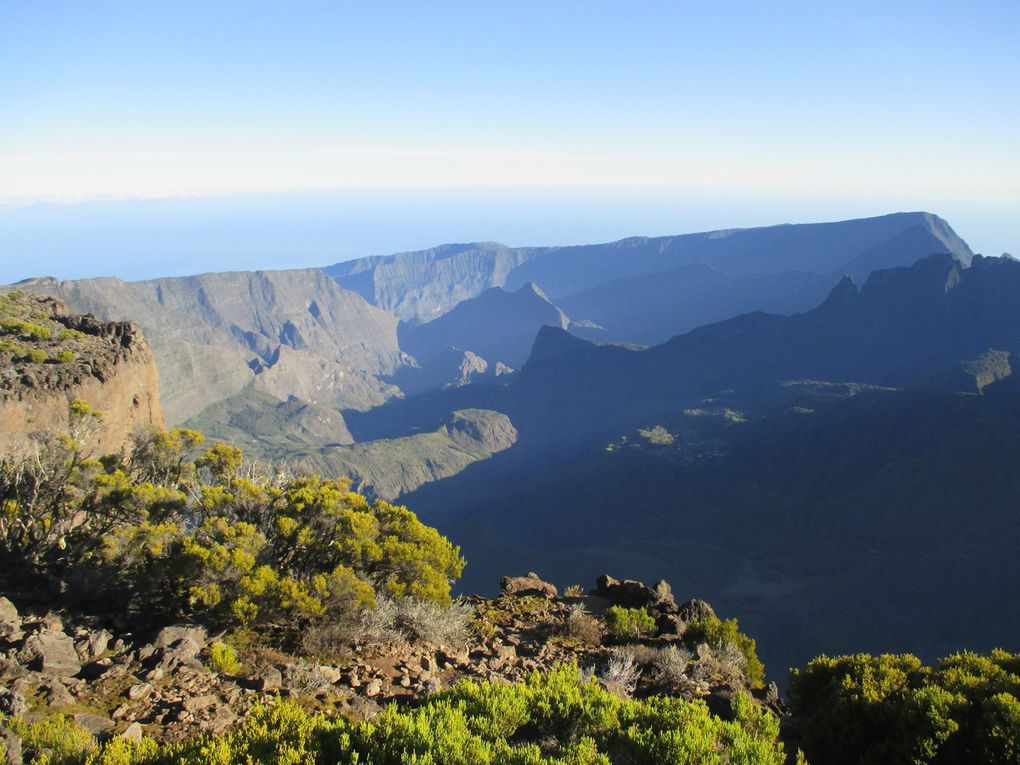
(283, 332)
(49, 358)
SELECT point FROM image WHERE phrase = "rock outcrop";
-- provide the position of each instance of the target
(170, 683)
(49, 358)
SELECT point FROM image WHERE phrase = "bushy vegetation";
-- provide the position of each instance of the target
(724, 636)
(54, 741)
(195, 534)
(666, 665)
(628, 624)
(223, 659)
(393, 620)
(582, 626)
(554, 718)
(891, 708)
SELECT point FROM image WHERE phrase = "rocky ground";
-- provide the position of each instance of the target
(166, 685)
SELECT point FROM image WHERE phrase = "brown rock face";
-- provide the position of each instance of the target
(521, 586)
(112, 370)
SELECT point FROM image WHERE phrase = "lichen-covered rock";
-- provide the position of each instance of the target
(8, 613)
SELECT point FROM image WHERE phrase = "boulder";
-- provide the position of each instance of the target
(694, 611)
(139, 691)
(269, 679)
(50, 653)
(633, 594)
(170, 635)
(12, 703)
(133, 733)
(94, 724)
(8, 613)
(57, 694)
(93, 646)
(521, 586)
(12, 744)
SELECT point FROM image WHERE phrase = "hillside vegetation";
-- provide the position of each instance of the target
(173, 535)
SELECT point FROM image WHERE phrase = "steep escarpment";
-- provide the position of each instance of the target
(284, 332)
(419, 286)
(422, 285)
(49, 358)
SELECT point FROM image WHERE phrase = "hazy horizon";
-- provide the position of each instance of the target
(317, 132)
(142, 239)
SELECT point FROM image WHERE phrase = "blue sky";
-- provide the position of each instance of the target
(660, 117)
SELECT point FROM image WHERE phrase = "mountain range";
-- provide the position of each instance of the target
(852, 463)
(810, 425)
(377, 327)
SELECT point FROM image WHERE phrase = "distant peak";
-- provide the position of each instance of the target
(843, 293)
(554, 343)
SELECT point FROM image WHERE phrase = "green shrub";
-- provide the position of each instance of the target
(556, 718)
(24, 329)
(722, 633)
(12, 347)
(65, 742)
(189, 537)
(38, 355)
(629, 624)
(66, 357)
(891, 708)
(223, 659)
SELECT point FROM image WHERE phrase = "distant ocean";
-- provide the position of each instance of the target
(138, 239)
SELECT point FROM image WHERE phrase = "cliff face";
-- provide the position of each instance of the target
(285, 332)
(48, 359)
(421, 286)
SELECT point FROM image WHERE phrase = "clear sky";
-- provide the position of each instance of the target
(834, 110)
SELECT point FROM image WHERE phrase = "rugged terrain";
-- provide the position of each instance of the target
(420, 286)
(281, 332)
(49, 358)
(849, 462)
(172, 684)
(593, 454)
